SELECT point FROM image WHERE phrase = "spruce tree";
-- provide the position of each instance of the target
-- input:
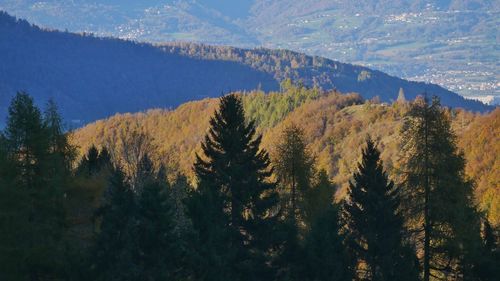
(437, 195)
(372, 224)
(232, 209)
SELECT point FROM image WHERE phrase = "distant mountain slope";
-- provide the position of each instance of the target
(335, 126)
(91, 78)
(447, 42)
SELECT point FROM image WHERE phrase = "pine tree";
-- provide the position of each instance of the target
(372, 225)
(233, 176)
(438, 197)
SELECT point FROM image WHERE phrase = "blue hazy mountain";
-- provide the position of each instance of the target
(92, 77)
(449, 42)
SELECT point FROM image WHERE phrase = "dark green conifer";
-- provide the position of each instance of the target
(35, 223)
(158, 251)
(112, 254)
(325, 256)
(233, 205)
(373, 227)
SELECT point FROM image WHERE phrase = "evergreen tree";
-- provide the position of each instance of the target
(159, 249)
(486, 265)
(438, 196)
(325, 256)
(373, 226)
(319, 197)
(233, 207)
(61, 152)
(112, 254)
(35, 224)
(88, 165)
(94, 162)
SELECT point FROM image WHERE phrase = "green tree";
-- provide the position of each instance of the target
(159, 250)
(325, 256)
(233, 177)
(35, 222)
(438, 197)
(373, 227)
(112, 254)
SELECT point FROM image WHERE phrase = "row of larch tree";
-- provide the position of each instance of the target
(249, 215)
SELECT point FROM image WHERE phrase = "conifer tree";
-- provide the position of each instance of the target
(112, 254)
(373, 227)
(293, 166)
(94, 162)
(37, 229)
(438, 197)
(159, 253)
(232, 209)
(325, 256)
(88, 165)
(486, 266)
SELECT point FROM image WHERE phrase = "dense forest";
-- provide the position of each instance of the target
(93, 77)
(253, 207)
(334, 125)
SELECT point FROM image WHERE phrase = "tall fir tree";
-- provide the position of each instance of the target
(438, 197)
(235, 192)
(373, 226)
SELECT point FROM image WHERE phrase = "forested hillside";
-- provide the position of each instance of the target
(92, 78)
(447, 42)
(335, 126)
(198, 194)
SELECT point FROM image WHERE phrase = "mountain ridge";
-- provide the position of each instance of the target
(446, 42)
(94, 77)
